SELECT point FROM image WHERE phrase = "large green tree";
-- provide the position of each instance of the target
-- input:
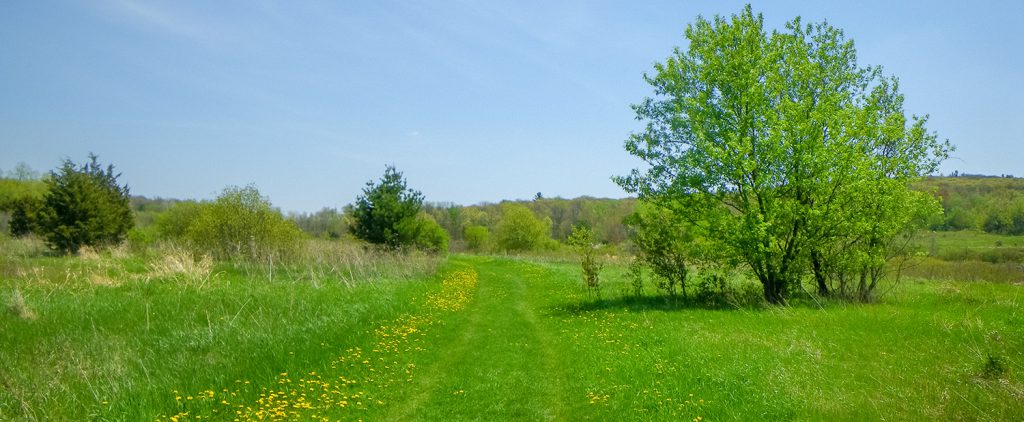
(778, 142)
(84, 206)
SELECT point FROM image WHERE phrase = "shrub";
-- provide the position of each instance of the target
(240, 224)
(84, 206)
(141, 239)
(477, 237)
(715, 290)
(174, 223)
(665, 243)
(521, 230)
(24, 212)
(422, 232)
(636, 276)
(582, 239)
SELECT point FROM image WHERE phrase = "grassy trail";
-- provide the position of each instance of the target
(497, 362)
(531, 346)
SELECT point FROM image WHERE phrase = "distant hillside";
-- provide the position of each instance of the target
(984, 203)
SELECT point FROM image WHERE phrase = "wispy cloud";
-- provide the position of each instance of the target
(162, 17)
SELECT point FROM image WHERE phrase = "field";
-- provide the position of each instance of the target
(115, 337)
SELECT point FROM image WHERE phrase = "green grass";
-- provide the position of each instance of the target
(525, 343)
(105, 342)
(966, 245)
(967, 256)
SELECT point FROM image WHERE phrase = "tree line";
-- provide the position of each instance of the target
(85, 205)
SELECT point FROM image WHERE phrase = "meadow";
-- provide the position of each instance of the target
(120, 336)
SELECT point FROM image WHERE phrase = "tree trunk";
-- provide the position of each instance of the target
(774, 288)
(862, 287)
(819, 273)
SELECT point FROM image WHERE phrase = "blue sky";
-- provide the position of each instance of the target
(473, 100)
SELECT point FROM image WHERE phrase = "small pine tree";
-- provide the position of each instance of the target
(383, 208)
(84, 206)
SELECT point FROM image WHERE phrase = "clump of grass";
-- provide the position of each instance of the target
(322, 261)
(18, 306)
(89, 253)
(102, 280)
(21, 247)
(180, 264)
(993, 368)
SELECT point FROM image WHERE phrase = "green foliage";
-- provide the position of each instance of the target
(24, 211)
(992, 204)
(328, 223)
(1007, 218)
(148, 210)
(422, 232)
(603, 215)
(665, 243)
(383, 207)
(520, 230)
(19, 196)
(13, 188)
(864, 238)
(779, 142)
(141, 239)
(239, 224)
(583, 240)
(174, 223)
(715, 290)
(477, 237)
(84, 206)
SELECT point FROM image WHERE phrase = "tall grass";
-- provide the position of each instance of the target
(108, 335)
(321, 261)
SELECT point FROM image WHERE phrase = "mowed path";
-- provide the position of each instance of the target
(492, 360)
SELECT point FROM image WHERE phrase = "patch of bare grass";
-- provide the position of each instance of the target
(181, 265)
(89, 253)
(18, 306)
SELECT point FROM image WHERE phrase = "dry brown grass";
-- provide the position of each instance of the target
(18, 306)
(179, 264)
(103, 280)
(323, 261)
